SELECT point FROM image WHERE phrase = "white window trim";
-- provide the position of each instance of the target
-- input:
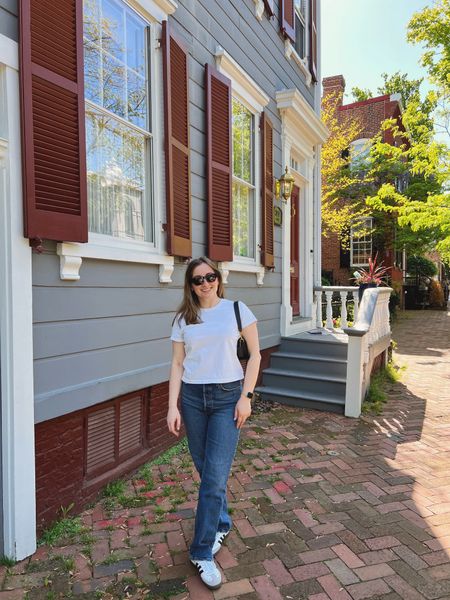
(255, 99)
(105, 247)
(365, 264)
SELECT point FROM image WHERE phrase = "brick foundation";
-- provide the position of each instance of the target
(60, 454)
(60, 457)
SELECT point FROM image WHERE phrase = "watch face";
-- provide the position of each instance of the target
(250, 395)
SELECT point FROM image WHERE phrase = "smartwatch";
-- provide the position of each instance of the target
(249, 395)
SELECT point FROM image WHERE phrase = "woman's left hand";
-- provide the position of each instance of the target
(242, 411)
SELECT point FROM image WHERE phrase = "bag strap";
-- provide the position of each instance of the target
(238, 315)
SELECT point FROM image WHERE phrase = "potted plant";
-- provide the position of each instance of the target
(373, 276)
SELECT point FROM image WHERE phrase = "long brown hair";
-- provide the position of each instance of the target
(189, 309)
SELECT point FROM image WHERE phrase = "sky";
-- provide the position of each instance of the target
(363, 38)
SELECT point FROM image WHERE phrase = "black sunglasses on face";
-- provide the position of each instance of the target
(199, 279)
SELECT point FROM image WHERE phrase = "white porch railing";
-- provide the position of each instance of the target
(345, 295)
(368, 338)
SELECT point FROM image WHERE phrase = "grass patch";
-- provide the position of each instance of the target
(376, 396)
(114, 489)
(67, 529)
(167, 456)
(5, 561)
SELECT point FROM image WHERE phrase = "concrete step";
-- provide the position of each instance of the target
(310, 363)
(310, 400)
(305, 382)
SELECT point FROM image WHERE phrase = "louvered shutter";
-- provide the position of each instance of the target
(269, 6)
(288, 19)
(100, 441)
(176, 121)
(130, 427)
(313, 39)
(267, 245)
(53, 132)
(219, 164)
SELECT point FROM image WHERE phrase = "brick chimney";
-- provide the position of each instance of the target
(334, 86)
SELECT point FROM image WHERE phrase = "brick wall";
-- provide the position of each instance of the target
(331, 260)
(60, 455)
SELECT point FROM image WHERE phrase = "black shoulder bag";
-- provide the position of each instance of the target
(242, 349)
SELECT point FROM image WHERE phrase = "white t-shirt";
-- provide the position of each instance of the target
(210, 346)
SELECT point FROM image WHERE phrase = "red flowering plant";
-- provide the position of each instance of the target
(375, 273)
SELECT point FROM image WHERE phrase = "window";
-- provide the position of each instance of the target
(300, 28)
(359, 154)
(118, 133)
(243, 181)
(361, 242)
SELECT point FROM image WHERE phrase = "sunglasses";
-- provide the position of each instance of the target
(199, 279)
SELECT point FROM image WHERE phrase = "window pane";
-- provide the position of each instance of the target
(299, 37)
(116, 158)
(113, 85)
(361, 242)
(92, 73)
(243, 220)
(135, 44)
(242, 142)
(91, 21)
(113, 30)
(137, 100)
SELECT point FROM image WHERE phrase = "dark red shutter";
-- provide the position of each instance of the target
(53, 131)
(288, 19)
(269, 6)
(313, 39)
(219, 164)
(176, 121)
(267, 246)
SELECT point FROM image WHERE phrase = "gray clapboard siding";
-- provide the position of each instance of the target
(108, 333)
(9, 22)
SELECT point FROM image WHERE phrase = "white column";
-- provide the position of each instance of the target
(329, 297)
(343, 309)
(17, 398)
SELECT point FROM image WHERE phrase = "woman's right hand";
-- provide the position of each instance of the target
(174, 421)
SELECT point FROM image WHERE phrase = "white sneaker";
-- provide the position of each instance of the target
(209, 573)
(220, 537)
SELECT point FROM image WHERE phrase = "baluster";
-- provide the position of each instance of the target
(329, 323)
(355, 306)
(319, 323)
(343, 309)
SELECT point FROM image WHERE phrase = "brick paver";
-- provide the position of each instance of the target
(324, 507)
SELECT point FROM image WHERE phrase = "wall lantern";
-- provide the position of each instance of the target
(284, 185)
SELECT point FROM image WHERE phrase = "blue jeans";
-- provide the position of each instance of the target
(208, 416)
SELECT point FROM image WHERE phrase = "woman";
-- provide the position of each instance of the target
(215, 403)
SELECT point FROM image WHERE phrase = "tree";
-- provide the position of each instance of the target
(360, 94)
(343, 190)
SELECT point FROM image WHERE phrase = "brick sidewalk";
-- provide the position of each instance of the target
(324, 507)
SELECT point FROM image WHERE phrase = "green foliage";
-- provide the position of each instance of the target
(360, 94)
(421, 266)
(377, 394)
(114, 489)
(5, 561)
(65, 530)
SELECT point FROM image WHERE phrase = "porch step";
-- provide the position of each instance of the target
(310, 363)
(302, 399)
(304, 381)
(315, 345)
(308, 371)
